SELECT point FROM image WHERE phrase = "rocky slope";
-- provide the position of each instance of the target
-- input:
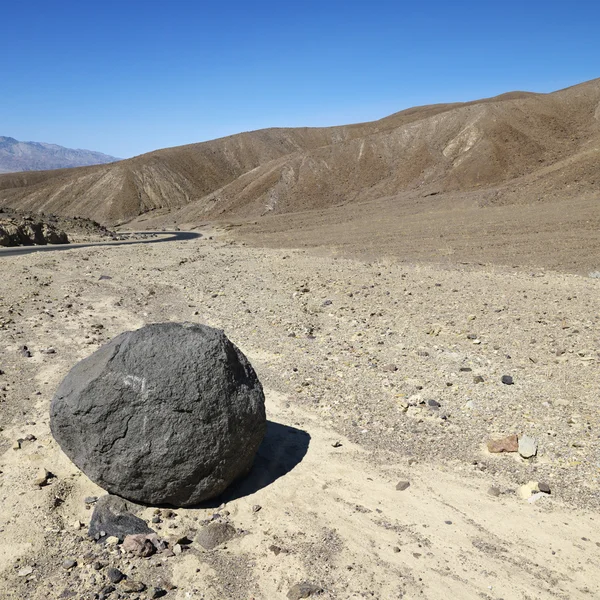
(37, 156)
(23, 229)
(548, 143)
(28, 231)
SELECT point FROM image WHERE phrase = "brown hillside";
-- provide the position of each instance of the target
(546, 142)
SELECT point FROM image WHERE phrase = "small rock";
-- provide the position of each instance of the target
(506, 444)
(24, 572)
(139, 544)
(114, 575)
(337, 444)
(507, 380)
(129, 586)
(494, 491)
(478, 379)
(113, 517)
(535, 497)
(256, 508)
(106, 592)
(214, 535)
(157, 593)
(544, 487)
(402, 485)
(69, 563)
(90, 499)
(303, 590)
(77, 525)
(111, 540)
(391, 368)
(275, 549)
(527, 490)
(177, 549)
(433, 404)
(527, 446)
(42, 477)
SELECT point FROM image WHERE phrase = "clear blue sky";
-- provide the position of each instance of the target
(126, 77)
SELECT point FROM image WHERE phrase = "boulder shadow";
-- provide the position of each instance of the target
(282, 448)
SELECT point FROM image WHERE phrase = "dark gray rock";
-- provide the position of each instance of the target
(507, 380)
(114, 575)
(214, 535)
(168, 414)
(114, 516)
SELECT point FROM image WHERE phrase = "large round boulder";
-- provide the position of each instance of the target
(169, 414)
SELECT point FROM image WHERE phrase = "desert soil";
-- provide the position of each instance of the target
(352, 354)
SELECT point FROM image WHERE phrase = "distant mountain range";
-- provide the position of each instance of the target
(520, 147)
(18, 156)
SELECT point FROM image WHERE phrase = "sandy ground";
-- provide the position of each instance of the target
(349, 353)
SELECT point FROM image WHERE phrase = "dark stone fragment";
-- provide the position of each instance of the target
(157, 593)
(544, 487)
(507, 380)
(466, 369)
(169, 414)
(214, 535)
(433, 403)
(106, 592)
(114, 575)
(402, 485)
(478, 379)
(113, 516)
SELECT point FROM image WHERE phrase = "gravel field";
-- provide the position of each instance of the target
(375, 373)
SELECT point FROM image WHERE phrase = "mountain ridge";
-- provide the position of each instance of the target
(18, 156)
(433, 149)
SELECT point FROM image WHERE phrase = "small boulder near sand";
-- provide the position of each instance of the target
(169, 414)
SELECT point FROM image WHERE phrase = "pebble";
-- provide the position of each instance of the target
(130, 586)
(509, 443)
(478, 379)
(507, 380)
(337, 444)
(544, 487)
(25, 571)
(69, 563)
(114, 575)
(111, 540)
(42, 477)
(494, 491)
(527, 446)
(303, 590)
(256, 508)
(90, 499)
(402, 485)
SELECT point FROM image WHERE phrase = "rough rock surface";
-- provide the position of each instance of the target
(215, 534)
(168, 414)
(114, 516)
(27, 231)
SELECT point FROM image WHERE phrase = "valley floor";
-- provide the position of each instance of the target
(350, 354)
